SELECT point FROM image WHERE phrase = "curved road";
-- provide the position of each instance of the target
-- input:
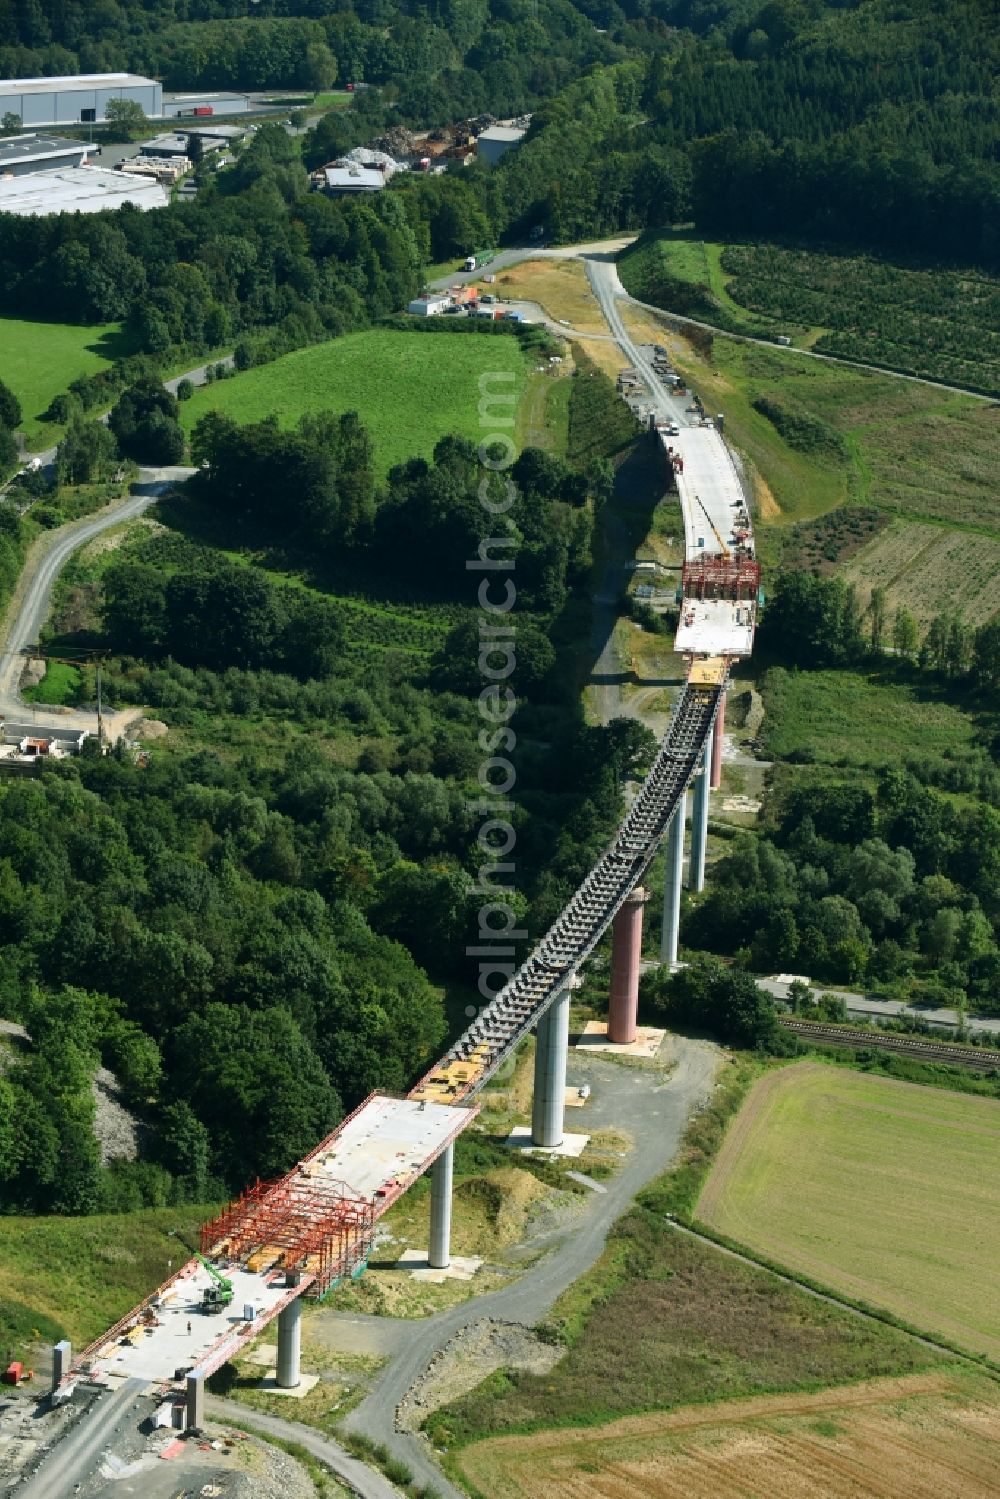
(33, 598)
(605, 252)
(359, 1478)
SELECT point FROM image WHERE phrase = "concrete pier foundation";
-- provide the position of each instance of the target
(626, 960)
(289, 1371)
(551, 1050)
(442, 1175)
(673, 879)
(718, 735)
(194, 1410)
(699, 824)
(62, 1358)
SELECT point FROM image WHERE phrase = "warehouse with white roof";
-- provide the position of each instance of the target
(80, 99)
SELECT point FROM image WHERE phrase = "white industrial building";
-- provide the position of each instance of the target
(79, 190)
(21, 155)
(81, 99)
(428, 306)
(493, 142)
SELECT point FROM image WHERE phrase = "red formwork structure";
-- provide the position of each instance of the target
(734, 577)
(309, 1221)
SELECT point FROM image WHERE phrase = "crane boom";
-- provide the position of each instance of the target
(715, 530)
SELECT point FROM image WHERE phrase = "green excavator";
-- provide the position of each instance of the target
(218, 1295)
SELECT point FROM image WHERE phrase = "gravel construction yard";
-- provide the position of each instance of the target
(886, 1191)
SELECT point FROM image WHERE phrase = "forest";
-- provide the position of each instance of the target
(238, 936)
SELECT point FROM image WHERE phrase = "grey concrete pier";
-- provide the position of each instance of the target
(62, 1358)
(194, 1412)
(442, 1176)
(289, 1373)
(673, 879)
(551, 1050)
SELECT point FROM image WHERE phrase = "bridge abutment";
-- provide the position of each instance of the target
(442, 1177)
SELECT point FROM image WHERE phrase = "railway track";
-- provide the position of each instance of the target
(978, 1058)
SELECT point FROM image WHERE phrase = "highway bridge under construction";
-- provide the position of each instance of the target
(304, 1234)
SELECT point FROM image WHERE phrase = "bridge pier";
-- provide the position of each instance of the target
(442, 1175)
(194, 1408)
(673, 879)
(699, 824)
(288, 1374)
(718, 734)
(62, 1359)
(548, 1105)
(626, 959)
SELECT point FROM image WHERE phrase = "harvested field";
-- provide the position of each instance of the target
(886, 1191)
(924, 1437)
(930, 570)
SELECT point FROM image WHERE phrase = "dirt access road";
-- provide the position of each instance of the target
(656, 1112)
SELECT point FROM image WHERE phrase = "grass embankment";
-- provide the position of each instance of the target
(40, 360)
(662, 1320)
(82, 1274)
(886, 1191)
(411, 388)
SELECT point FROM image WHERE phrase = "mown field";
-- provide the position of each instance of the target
(39, 360)
(925, 1436)
(75, 1276)
(886, 1191)
(411, 388)
(940, 324)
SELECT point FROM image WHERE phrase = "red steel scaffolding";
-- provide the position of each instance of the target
(733, 577)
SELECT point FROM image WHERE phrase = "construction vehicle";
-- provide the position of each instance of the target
(220, 1293)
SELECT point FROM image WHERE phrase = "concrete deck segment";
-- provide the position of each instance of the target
(715, 627)
(708, 479)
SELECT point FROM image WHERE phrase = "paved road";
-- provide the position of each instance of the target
(76, 1456)
(34, 594)
(655, 1113)
(874, 1005)
(360, 1479)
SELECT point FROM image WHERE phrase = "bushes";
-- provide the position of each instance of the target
(800, 429)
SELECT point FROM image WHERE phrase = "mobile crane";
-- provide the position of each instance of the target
(218, 1295)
